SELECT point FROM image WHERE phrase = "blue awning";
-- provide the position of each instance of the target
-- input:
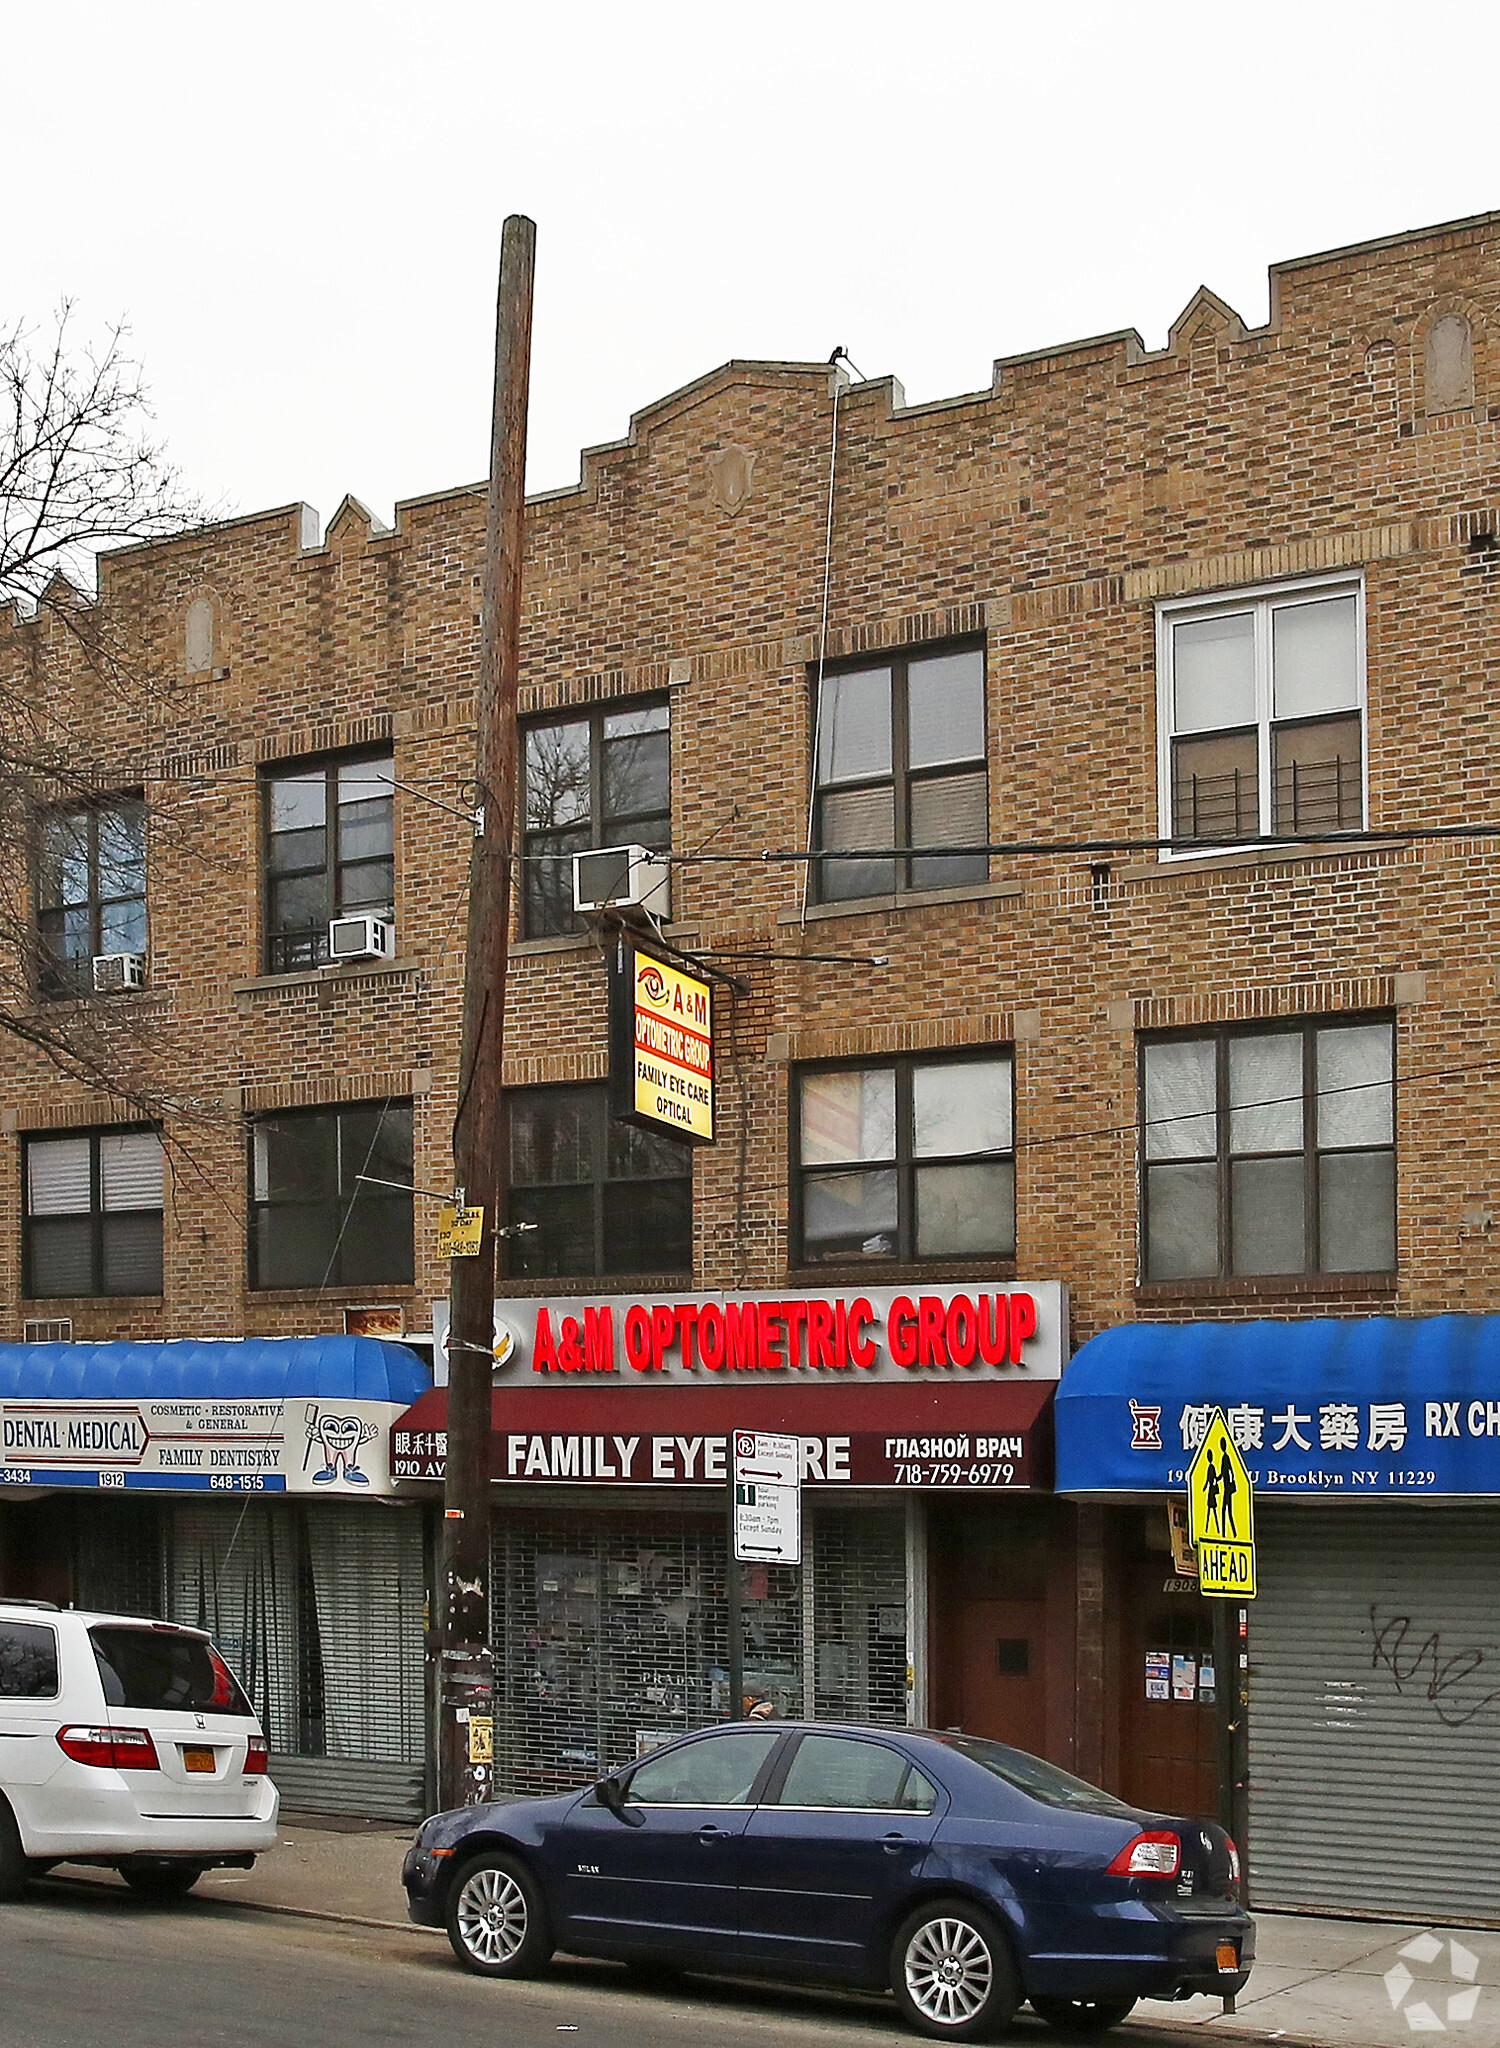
(214, 1369)
(1380, 1407)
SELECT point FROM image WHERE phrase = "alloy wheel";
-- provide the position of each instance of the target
(492, 1916)
(949, 1971)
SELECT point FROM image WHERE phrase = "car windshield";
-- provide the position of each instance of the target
(165, 1669)
(1038, 1780)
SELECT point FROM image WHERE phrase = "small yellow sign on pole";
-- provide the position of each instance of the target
(459, 1232)
(1221, 1515)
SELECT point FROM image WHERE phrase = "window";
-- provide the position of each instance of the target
(329, 853)
(158, 1670)
(314, 1222)
(1038, 1780)
(914, 1159)
(1270, 1151)
(835, 1770)
(93, 1214)
(900, 761)
(91, 891)
(721, 1770)
(28, 1661)
(598, 778)
(1262, 715)
(606, 1197)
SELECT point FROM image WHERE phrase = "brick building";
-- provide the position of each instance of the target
(1239, 588)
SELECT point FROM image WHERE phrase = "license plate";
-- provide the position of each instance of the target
(1229, 1958)
(203, 1760)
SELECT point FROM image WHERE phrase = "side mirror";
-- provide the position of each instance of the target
(610, 1794)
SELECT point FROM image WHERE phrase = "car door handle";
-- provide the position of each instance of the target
(893, 1842)
(709, 1833)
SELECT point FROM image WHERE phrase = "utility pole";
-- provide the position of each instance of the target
(466, 1673)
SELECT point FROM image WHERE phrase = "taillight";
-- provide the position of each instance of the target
(1155, 1855)
(257, 1757)
(111, 1749)
(1234, 1861)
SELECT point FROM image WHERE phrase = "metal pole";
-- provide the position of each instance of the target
(734, 1613)
(466, 1696)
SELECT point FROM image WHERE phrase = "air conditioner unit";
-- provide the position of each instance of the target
(622, 878)
(361, 938)
(116, 971)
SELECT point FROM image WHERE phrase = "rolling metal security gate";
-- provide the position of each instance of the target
(1375, 1710)
(609, 1633)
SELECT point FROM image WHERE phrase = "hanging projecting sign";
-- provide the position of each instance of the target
(661, 1046)
(1221, 1516)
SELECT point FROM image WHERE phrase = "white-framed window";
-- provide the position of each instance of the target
(1261, 714)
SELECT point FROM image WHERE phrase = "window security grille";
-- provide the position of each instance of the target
(610, 1634)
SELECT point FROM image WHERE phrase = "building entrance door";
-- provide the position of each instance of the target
(1168, 1751)
(990, 1572)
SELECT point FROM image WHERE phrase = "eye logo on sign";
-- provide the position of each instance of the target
(652, 984)
(506, 1341)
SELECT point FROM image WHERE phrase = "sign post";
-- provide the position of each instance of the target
(1221, 1522)
(765, 1527)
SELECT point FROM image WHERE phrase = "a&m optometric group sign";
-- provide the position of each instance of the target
(661, 1046)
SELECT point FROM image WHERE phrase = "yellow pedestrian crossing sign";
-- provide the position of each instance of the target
(1221, 1515)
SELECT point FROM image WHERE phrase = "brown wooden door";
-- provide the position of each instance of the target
(1168, 1755)
(1000, 1668)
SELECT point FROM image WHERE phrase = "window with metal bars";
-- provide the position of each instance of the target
(899, 760)
(907, 1159)
(94, 1213)
(605, 1197)
(1269, 1150)
(1262, 715)
(314, 1220)
(600, 777)
(91, 891)
(330, 852)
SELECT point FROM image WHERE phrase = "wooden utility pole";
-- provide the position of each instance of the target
(465, 1676)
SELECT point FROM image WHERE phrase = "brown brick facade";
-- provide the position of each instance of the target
(1049, 515)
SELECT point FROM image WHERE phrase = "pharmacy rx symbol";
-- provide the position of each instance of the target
(1221, 1515)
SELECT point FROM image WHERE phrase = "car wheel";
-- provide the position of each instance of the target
(14, 1870)
(952, 1973)
(497, 1918)
(160, 1880)
(1083, 2016)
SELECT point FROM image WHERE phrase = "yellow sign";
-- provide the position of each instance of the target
(459, 1232)
(1221, 1516)
(671, 1049)
(481, 1739)
(1184, 1558)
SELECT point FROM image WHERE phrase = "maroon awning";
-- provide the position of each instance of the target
(951, 1435)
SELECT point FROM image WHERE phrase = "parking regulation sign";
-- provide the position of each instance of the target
(767, 1498)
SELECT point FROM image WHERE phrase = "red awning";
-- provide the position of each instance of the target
(952, 1435)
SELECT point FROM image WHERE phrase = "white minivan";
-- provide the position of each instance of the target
(124, 1742)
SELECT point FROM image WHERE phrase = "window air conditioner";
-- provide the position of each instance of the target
(622, 878)
(116, 971)
(361, 938)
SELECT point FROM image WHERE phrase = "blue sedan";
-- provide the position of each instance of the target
(965, 1875)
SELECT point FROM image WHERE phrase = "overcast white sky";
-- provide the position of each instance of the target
(298, 207)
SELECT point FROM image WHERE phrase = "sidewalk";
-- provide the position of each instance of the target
(1336, 1983)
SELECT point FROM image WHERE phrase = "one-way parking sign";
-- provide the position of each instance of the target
(767, 1498)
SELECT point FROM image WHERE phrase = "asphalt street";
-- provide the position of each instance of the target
(91, 1966)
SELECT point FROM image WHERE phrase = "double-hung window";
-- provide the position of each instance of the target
(899, 760)
(94, 1213)
(1269, 1151)
(595, 778)
(605, 1197)
(1262, 715)
(910, 1159)
(91, 890)
(315, 1221)
(329, 853)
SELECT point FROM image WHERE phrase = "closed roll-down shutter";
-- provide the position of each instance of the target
(1375, 1710)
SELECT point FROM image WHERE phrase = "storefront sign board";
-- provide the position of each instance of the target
(337, 1447)
(661, 1046)
(1015, 1330)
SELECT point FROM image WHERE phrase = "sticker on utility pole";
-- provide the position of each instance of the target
(1221, 1516)
(481, 1739)
(459, 1232)
(767, 1498)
